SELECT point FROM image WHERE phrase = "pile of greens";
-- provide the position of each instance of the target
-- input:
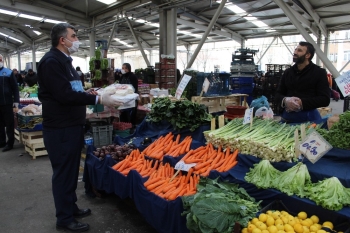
(262, 175)
(329, 193)
(339, 133)
(33, 89)
(180, 114)
(216, 207)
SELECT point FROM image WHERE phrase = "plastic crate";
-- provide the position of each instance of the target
(168, 66)
(166, 85)
(167, 60)
(157, 79)
(242, 91)
(26, 123)
(346, 104)
(167, 79)
(219, 84)
(167, 73)
(97, 107)
(241, 80)
(102, 135)
(157, 66)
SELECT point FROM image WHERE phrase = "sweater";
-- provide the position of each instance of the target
(309, 84)
(60, 91)
(8, 87)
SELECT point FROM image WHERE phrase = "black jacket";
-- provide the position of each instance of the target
(130, 78)
(8, 87)
(310, 85)
(60, 91)
(31, 80)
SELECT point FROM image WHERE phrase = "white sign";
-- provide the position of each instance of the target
(248, 116)
(181, 165)
(314, 146)
(206, 85)
(181, 87)
(343, 82)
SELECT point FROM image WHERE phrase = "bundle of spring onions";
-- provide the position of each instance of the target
(266, 139)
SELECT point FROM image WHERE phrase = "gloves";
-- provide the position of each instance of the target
(292, 104)
(109, 100)
(15, 105)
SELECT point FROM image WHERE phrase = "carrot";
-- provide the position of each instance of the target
(169, 192)
(154, 185)
(189, 173)
(167, 148)
(188, 147)
(218, 164)
(193, 160)
(191, 183)
(190, 193)
(151, 181)
(124, 165)
(229, 166)
(187, 155)
(174, 194)
(177, 139)
(202, 165)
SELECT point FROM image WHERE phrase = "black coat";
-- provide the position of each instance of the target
(130, 78)
(310, 85)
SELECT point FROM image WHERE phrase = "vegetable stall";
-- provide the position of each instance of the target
(237, 169)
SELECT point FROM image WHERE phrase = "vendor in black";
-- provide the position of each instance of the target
(303, 87)
(129, 78)
(31, 78)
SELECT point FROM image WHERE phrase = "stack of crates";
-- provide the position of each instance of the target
(219, 84)
(243, 70)
(273, 76)
(165, 73)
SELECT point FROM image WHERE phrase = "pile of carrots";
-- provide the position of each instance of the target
(136, 161)
(166, 145)
(164, 184)
(207, 159)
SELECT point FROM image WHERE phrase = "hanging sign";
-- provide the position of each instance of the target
(343, 82)
(181, 87)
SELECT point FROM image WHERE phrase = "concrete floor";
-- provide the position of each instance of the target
(26, 202)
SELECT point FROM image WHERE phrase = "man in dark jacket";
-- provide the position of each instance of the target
(303, 87)
(129, 115)
(31, 78)
(9, 97)
(64, 111)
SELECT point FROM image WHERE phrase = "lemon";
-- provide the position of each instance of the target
(263, 217)
(298, 228)
(302, 215)
(306, 223)
(279, 221)
(270, 221)
(306, 229)
(313, 228)
(292, 222)
(244, 230)
(265, 231)
(310, 221)
(257, 223)
(256, 230)
(328, 224)
(269, 212)
(321, 231)
(288, 227)
(251, 227)
(284, 219)
(281, 231)
(318, 226)
(280, 226)
(276, 215)
(254, 220)
(315, 219)
(272, 229)
(262, 226)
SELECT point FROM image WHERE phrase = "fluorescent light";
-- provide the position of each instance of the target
(10, 37)
(140, 21)
(270, 30)
(52, 21)
(235, 9)
(107, 1)
(259, 23)
(30, 17)
(154, 24)
(8, 12)
(37, 32)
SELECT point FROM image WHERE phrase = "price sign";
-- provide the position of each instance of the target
(314, 146)
(248, 116)
(181, 165)
(343, 82)
(181, 87)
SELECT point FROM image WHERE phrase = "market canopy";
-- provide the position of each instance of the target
(24, 24)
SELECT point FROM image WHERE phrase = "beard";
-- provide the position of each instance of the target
(299, 60)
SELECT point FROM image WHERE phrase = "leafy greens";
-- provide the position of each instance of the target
(262, 175)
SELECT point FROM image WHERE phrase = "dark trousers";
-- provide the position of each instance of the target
(64, 149)
(7, 121)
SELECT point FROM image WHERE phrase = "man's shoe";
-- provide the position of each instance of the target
(74, 226)
(81, 213)
(2, 145)
(7, 147)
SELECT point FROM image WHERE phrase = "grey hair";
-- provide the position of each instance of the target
(59, 30)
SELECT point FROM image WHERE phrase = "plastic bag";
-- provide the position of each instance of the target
(264, 112)
(260, 102)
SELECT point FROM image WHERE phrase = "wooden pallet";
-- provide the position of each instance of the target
(29, 138)
(36, 149)
(18, 136)
(219, 103)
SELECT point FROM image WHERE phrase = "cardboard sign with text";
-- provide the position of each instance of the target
(343, 82)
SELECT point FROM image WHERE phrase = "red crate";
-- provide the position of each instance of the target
(168, 66)
(167, 79)
(167, 60)
(167, 73)
(157, 66)
(157, 79)
(166, 85)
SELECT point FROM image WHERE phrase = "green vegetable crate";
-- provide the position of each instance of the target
(97, 107)
(102, 135)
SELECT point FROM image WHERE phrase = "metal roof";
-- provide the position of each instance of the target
(318, 17)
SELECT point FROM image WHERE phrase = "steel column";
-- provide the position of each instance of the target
(290, 51)
(92, 36)
(266, 49)
(19, 60)
(111, 36)
(33, 57)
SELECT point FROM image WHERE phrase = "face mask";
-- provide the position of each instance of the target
(74, 48)
(1, 65)
(123, 71)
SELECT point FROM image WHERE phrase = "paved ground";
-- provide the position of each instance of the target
(26, 202)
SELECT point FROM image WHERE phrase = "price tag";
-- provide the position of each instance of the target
(343, 83)
(181, 165)
(181, 87)
(248, 116)
(314, 146)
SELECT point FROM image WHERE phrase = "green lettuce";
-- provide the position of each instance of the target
(262, 175)
(329, 193)
(294, 180)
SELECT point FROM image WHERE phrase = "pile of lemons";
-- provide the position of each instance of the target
(283, 222)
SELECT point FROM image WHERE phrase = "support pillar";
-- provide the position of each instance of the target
(19, 60)
(33, 57)
(326, 44)
(92, 36)
(318, 61)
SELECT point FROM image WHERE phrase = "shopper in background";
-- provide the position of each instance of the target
(9, 98)
(303, 88)
(18, 77)
(129, 78)
(31, 78)
(81, 75)
(64, 111)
